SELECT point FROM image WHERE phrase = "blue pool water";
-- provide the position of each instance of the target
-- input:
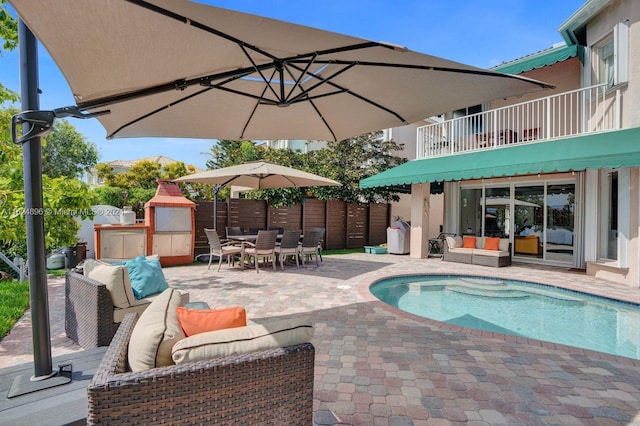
(519, 308)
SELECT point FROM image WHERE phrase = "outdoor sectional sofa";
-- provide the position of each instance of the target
(272, 386)
(454, 251)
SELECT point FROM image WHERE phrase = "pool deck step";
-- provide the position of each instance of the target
(493, 293)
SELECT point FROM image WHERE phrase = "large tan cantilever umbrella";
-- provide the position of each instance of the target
(175, 68)
(256, 175)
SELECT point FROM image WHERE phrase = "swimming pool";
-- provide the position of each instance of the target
(519, 308)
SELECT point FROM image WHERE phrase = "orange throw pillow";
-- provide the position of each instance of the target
(196, 321)
(469, 242)
(491, 243)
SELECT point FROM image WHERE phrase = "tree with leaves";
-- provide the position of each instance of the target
(352, 160)
(66, 152)
(347, 162)
(229, 153)
(9, 35)
(63, 199)
(138, 185)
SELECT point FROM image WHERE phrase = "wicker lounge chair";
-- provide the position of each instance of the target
(271, 387)
(90, 318)
(494, 258)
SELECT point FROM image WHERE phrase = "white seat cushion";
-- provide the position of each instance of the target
(241, 340)
(491, 253)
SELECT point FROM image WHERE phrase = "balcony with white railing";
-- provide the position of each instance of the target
(578, 112)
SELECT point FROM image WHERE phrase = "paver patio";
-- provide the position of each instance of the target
(378, 366)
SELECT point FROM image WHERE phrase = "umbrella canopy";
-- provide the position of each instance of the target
(259, 175)
(175, 68)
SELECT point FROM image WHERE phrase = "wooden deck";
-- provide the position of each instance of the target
(61, 405)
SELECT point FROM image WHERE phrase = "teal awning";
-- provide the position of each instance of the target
(540, 59)
(608, 149)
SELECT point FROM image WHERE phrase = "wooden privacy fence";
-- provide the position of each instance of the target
(347, 225)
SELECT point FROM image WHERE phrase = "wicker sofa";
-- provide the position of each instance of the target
(91, 319)
(454, 252)
(270, 387)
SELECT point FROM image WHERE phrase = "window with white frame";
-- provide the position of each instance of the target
(611, 56)
(606, 62)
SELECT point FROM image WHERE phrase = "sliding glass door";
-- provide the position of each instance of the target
(561, 203)
(529, 221)
(539, 215)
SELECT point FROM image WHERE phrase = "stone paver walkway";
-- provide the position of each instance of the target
(376, 365)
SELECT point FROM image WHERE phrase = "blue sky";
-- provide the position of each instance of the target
(482, 33)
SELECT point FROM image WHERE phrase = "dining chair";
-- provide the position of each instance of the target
(277, 228)
(264, 247)
(288, 247)
(234, 230)
(309, 245)
(321, 240)
(221, 250)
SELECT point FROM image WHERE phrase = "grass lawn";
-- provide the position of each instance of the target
(14, 300)
(342, 251)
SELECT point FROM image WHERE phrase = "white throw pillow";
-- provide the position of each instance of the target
(116, 278)
(89, 264)
(459, 242)
(242, 340)
(451, 242)
(479, 242)
(503, 244)
(155, 333)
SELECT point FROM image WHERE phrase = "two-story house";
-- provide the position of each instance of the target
(555, 172)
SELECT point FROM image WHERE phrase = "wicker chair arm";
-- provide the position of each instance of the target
(232, 243)
(88, 311)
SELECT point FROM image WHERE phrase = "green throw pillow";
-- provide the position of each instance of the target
(146, 277)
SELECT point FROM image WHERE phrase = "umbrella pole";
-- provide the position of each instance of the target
(44, 376)
(34, 213)
(216, 188)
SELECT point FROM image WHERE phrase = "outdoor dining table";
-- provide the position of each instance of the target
(251, 238)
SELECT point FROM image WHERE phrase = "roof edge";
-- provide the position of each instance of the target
(579, 18)
(557, 53)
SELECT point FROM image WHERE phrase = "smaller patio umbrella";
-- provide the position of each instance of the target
(259, 175)
(256, 175)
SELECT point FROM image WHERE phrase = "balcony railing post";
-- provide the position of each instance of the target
(618, 110)
(495, 128)
(548, 118)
